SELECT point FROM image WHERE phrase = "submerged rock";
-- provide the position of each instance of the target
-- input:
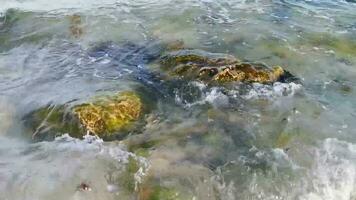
(76, 25)
(139, 181)
(48, 122)
(105, 117)
(127, 53)
(220, 68)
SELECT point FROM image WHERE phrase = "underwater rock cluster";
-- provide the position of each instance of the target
(118, 116)
(110, 116)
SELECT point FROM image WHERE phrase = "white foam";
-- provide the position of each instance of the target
(44, 5)
(276, 90)
(71, 5)
(216, 97)
(219, 96)
(213, 96)
(334, 173)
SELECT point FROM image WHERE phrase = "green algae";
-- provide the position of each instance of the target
(108, 115)
(127, 179)
(51, 121)
(277, 48)
(159, 193)
(142, 149)
(343, 46)
(283, 140)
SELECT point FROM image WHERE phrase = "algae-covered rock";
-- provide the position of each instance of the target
(110, 114)
(283, 140)
(219, 68)
(106, 117)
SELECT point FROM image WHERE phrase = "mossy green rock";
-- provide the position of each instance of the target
(219, 68)
(105, 117)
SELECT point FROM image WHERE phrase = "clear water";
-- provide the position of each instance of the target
(286, 141)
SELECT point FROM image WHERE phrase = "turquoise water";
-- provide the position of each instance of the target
(279, 141)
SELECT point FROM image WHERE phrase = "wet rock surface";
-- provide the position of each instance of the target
(220, 68)
(105, 116)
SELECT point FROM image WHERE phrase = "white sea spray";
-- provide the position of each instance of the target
(272, 91)
(333, 175)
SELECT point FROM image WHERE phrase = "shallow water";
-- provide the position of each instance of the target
(280, 141)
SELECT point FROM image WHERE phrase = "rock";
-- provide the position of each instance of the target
(219, 68)
(248, 73)
(175, 45)
(172, 176)
(106, 117)
(283, 139)
(48, 122)
(76, 25)
(342, 86)
(127, 53)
